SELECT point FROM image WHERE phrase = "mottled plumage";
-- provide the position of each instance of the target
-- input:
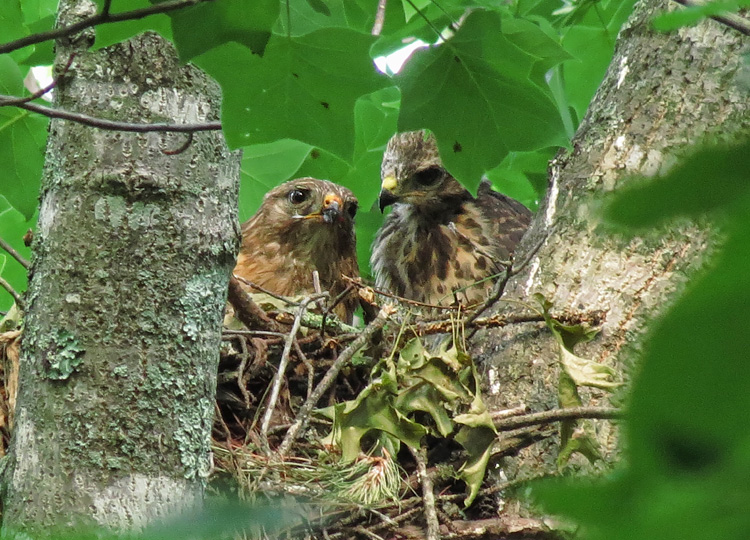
(439, 238)
(303, 225)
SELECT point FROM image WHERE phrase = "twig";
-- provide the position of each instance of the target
(262, 333)
(17, 297)
(499, 288)
(279, 377)
(507, 413)
(728, 19)
(361, 530)
(13, 253)
(557, 415)
(428, 494)
(496, 321)
(39, 93)
(380, 292)
(248, 311)
(180, 149)
(303, 415)
(308, 365)
(112, 125)
(377, 27)
(103, 17)
(266, 291)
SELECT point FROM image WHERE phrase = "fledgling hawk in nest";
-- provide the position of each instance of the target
(439, 239)
(303, 225)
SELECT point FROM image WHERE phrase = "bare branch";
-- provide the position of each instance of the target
(303, 415)
(102, 123)
(17, 297)
(39, 93)
(104, 17)
(428, 494)
(557, 415)
(13, 253)
(247, 311)
(279, 377)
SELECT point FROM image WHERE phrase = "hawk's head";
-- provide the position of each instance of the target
(309, 210)
(303, 226)
(412, 173)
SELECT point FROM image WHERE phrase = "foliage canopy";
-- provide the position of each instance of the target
(504, 87)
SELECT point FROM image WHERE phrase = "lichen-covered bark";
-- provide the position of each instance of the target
(132, 257)
(662, 94)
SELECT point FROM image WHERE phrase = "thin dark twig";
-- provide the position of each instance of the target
(39, 93)
(499, 288)
(100, 18)
(336, 301)
(13, 253)
(180, 149)
(308, 365)
(731, 20)
(399, 298)
(266, 291)
(558, 415)
(107, 4)
(426, 19)
(303, 415)
(17, 297)
(111, 125)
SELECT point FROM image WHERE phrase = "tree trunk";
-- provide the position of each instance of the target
(132, 257)
(662, 94)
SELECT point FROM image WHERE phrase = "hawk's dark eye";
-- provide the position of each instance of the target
(351, 209)
(429, 176)
(297, 196)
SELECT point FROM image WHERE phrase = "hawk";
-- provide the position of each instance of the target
(302, 225)
(439, 240)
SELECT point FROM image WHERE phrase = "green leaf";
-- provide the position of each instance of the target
(36, 10)
(474, 93)
(303, 88)
(319, 7)
(44, 53)
(12, 25)
(591, 42)
(22, 140)
(306, 16)
(265, 166)
(523, 175)
(202, 27)
(685, 190)
(372, 410)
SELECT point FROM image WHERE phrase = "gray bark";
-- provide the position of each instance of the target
(662, 94)
(132, 257)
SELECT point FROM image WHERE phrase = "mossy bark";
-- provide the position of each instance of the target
(663, 93)
(132, 257)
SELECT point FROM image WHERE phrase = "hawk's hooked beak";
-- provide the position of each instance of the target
(332, 205)
(387, 196)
